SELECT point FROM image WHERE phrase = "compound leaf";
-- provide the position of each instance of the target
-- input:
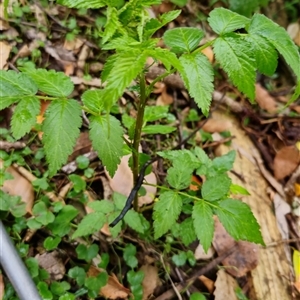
(90, 224)
(24, 116)
(61, 128)
(106, 135)
(15, 86)
(203, 223)
(158, 129)
(265, 54)
(279, 38)
(246, 7)
(179, 178)
(236, 58)
(133, 220)
(183, 39)
(93, 100)
(216, 187)
(50, 82)
(166, 212)
(197, 74)
(223, 20)
(111, 25)
(168, 58)
(239, 221)
(82, 3)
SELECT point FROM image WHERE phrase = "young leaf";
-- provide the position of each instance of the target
(166, 212)
(264, 53)
(279, 38)
(24, 116)
(223, 20)
(246, 7)
(15, 86)
(183, 39)
(90, 224)
(61, 128)
(93, 100)
(169, 59)
(187, 231)
(225, 162)
(111, 25)
(236, 58)
(126, 67)
(239, 221)
(216, 187)
(104, 206)
(198, 77)
(50, 82)
(203, 223)
(154, 113)
(106, 135)
(154, 24)
(83, 3)
(178, 177)
(158, 129)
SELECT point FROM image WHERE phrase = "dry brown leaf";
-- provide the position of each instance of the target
(208, 283)
(264, 99)
(294, 32)
(164, 98)
(286, 161)
(243, 260)
(150, 281)
(52, 262)
(214, 125)
(19, 186)
(4, 25)
(201, 254)
(208, 52)
(2, 287)
(113, 289)
(4, 53)
(225, 286)
(122, 182)
(74, 44)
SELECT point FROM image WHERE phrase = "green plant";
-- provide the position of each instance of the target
(243, 47)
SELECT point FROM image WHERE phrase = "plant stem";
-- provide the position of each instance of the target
(137, 135)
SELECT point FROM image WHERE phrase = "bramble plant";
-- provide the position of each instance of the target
(243, 47)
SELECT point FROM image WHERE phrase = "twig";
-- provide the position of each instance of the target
(7, 146)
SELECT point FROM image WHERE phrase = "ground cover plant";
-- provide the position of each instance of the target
(243, 46)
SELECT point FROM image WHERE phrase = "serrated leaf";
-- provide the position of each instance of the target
(133, 220)
(119, 43)
(197, 74)
(14, 86)
(264, 53)
(166, 212)
(236, 57)
(111, 25)
(279, 38)
(154, 113)
(239, 221)
(24, 117)
(154, 24)
(158, 129)
(183, 39)
(216, 187)
(93, 100)
(225, 162)
(179, 177)
(50, 82)
(203, 223)
(237, 189)
(187, 231)
(246, 7)
(82, 3)
(223, 20)
(106, 135)
(61, 129)
(126, 68)
(169, 59)
(90, 224)
(103, 206)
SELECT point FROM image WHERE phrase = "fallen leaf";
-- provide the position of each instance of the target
(52, 263)
(73, 45)
(208, 283)
(296, 264)
(113, 289)
(225, 286)
(4, 25)
(243, 260)
(2, 287)
(281, 209)
(208, 52)
(214, 125)
(164, 98)
(4, 53)
(150, 281)
(294, 31)
(201, 254)
(286, 161)
(264, 99)
(19, 186)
